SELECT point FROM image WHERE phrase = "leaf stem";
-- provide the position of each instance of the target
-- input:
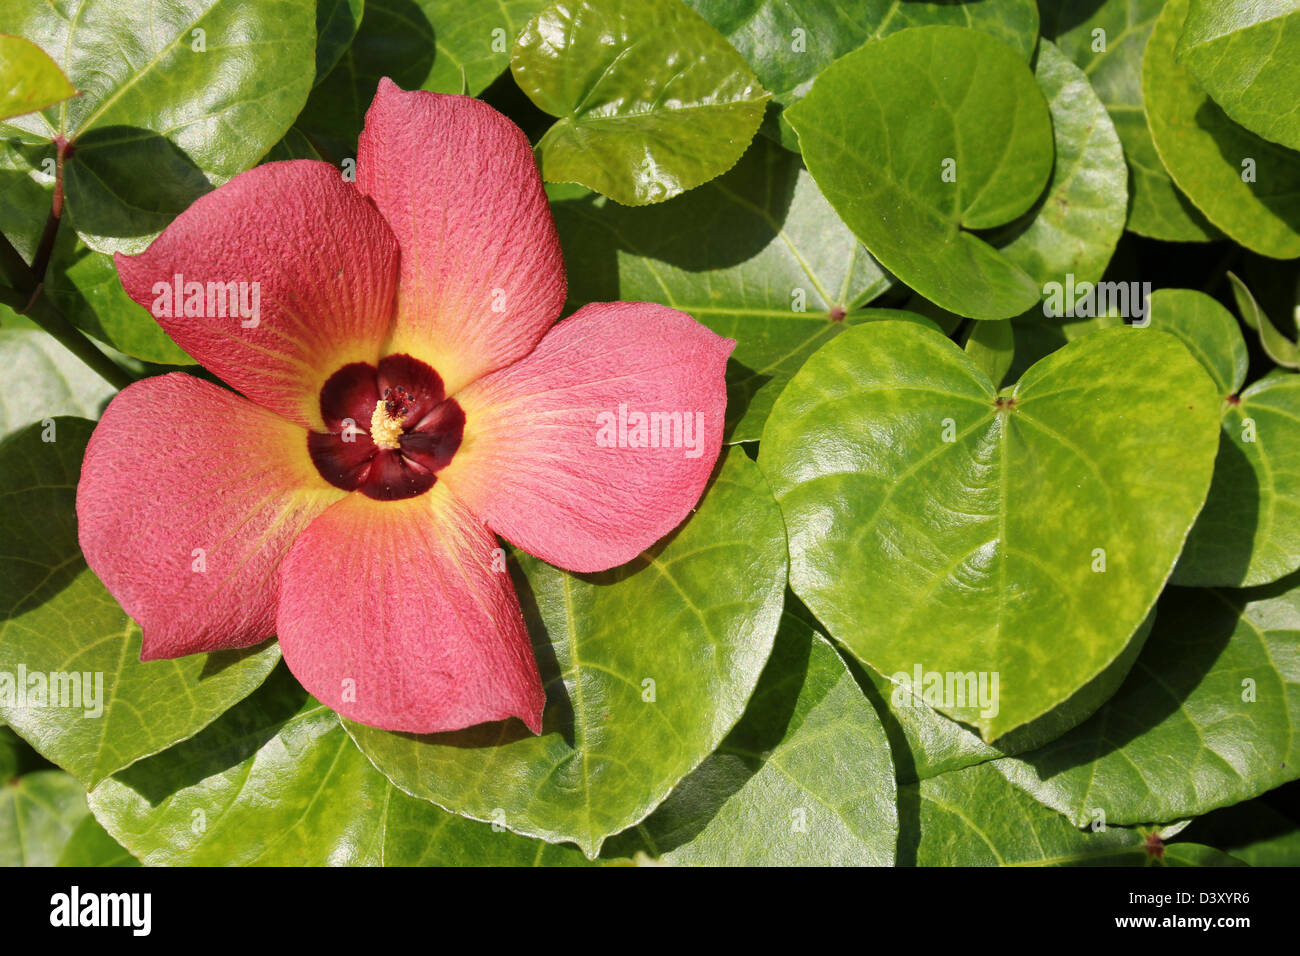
(45, 248)
(23, 295)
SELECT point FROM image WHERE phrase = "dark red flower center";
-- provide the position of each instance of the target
(389, 429)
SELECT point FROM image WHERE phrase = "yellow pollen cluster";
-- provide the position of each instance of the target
(385, 428)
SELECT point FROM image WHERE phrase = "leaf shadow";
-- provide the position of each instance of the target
(234, 737)
(40, 555)
(127, 182)
(1272, 163)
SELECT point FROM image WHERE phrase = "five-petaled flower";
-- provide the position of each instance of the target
(405, 394)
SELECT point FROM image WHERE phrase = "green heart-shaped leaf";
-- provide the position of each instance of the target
(1205, 719)
(757, 255)
(1246, 55)
(651, 99)
(100, 709)
(1024, 535)
(38, 813)
(182, 103)
(1246, 185)
(804, 779)
(29, 79)
(920, 137)
(204, 803)
(1074, 227)
(1107, 40)
(1249, 531)
(789, 42)
(647, 667)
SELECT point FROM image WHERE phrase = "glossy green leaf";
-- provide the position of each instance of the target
(29, 79)
(1206, 718)
(992, 347)
(61, 630)
(926, 743)
(165, 112)
(989, 524)
(38, 813)
(757, 255)
(43, 379)
(804, 779)
(1246, 185)
(1074, 227)
(647, 667)
(1107, 40)
(278, 782)
(650, 99)
(920, 137)
(1246, 55)
(1276, 345)
(420, 45)
(789, 42)
(1249, 531)
(91, 845)
(973, 817)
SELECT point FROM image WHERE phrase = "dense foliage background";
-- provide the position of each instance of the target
(927, 472)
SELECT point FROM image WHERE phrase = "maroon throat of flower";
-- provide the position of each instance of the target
(390, 429)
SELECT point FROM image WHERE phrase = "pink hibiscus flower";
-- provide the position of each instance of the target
(406, 393)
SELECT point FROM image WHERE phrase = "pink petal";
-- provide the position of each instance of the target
(393, 614)
(189, 498)
(482, 277)
(531, 463)
(325, 264)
